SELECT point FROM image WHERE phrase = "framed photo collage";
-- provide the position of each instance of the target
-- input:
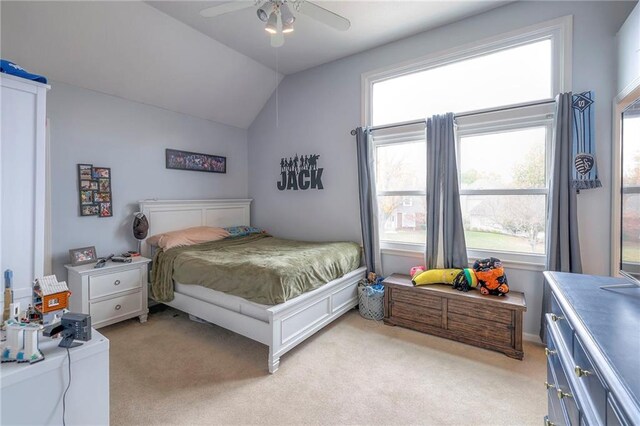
(94, 186)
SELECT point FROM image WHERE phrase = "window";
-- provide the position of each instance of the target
(401, 183)
(502, 94)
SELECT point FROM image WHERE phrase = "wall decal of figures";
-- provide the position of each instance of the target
(300, 172)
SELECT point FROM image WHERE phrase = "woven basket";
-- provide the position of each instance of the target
(371, 304)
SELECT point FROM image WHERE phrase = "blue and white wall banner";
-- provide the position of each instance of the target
(300, 173)
(585, 172)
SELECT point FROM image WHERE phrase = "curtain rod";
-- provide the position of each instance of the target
(464, 114)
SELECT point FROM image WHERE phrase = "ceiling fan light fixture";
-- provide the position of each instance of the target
(264, 11)
(287, 16)
(272, 24)
(287, 27)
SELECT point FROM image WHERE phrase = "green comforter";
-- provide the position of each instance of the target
(256, 267)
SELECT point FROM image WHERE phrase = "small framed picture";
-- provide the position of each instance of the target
(101, 172)
(104, 185)
(105, 210)
(86, 185)
(86, 197)
(82, 255)
(89, 210)
(102, 197)
(85, 171)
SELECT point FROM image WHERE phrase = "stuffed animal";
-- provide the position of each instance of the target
(491, 277)
(465, 280)
(416, 270)
(436, 276)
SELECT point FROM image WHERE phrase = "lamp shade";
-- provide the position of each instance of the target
(272, 24)
(140, 226)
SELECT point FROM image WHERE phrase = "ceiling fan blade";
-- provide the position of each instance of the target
(325, 16)
(224, 8)
(277, 39)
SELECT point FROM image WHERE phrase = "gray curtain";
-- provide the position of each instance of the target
(365, 174)
(443, 197)
(562, 245)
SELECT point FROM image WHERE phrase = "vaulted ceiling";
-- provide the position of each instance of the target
(221, 69)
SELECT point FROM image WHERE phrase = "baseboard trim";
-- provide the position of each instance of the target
(529, 337)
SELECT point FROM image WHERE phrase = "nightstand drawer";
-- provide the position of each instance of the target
(116, 307)
(105, 285)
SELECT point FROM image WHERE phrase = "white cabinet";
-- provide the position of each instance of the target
(110, 294)
(22, 182)
(32, 394)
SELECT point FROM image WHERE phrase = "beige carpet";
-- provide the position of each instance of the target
(175, 371)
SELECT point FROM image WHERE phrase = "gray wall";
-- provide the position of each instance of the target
(317, 108)
(130, 137)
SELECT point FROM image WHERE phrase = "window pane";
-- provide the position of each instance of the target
(630, 231)
(402, 219)
(504, 222)
(401, 167)
(510, 76)
(505, 160)
(631, 150)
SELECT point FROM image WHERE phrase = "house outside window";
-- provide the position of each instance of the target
(502, 93)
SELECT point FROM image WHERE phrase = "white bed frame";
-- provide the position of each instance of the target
(288, 323)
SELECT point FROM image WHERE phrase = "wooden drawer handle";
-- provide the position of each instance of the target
(118, 307)
(549, 385)
(562, 394)
(116, 282)
(548, 352)
(555, 317)
(580, 372)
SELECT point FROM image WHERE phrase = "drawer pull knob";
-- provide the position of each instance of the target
(549, 385)
(549, 352)
(118, 307)
(555, 317)
(580, 372)
(562, 394)
(116, 282)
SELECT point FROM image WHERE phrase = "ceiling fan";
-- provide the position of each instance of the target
(279, 17)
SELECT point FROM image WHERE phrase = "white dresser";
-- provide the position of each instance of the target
(32, 394)
(110, 294)
(22, 182)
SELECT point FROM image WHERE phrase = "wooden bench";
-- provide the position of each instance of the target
(490, 322)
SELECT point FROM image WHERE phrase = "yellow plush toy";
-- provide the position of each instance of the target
(436, 276)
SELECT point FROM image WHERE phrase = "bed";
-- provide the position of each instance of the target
(282, 326)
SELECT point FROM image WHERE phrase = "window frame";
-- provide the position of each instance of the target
(513, 119)
(559, 31)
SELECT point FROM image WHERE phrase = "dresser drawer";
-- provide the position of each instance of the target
(586, 374)
(108, 284)
(557, 316)
(116, 307)
(490, 316)
(415, 313)
(417, 297)
(485, 331)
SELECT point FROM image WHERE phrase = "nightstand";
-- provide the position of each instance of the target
(113, 293)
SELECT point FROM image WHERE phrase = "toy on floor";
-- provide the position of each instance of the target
(491, 276)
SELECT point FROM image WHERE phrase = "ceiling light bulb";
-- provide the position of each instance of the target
(287, 27)
(272, 24)
(264, 11)
(287, 16)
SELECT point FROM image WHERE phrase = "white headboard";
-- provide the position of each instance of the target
(172, 215)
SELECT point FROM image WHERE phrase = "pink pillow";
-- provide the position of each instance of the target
(187, 237)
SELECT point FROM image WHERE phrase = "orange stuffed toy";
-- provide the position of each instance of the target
(491, 277)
